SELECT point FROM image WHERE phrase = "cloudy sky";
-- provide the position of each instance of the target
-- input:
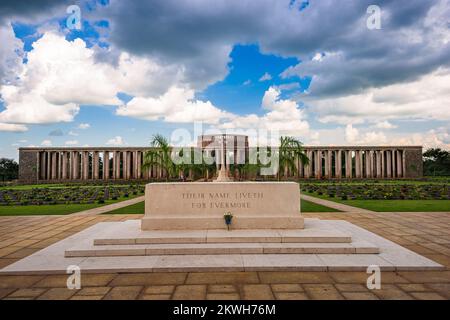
(312, 69)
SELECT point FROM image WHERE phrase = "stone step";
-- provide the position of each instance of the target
(359, 247)
(311, 235)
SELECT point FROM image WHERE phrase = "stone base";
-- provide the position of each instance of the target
(123, 247)
(196, 223)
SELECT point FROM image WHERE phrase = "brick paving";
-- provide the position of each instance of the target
(425, 233)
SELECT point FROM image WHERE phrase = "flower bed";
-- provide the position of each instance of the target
(380, 192)
(74, 195)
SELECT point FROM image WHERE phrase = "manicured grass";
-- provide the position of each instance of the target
(57, 209)
(400, 205)
(307, 206)
(393, 205)
(138, 208)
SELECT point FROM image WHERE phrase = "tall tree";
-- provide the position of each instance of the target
(160, 157)
(9, 169)
(436, 162)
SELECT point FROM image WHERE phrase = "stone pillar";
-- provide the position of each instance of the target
(348, 164)
(49, 165)
(70, 173)
(139, 164)
(383, 165)
(105, 165)
(318, 164)
(64, 166)
(95, 165)
(388, 164)
(300, 168)
(394, 167)
(52, 165)
(125, 164)
(129, 176)
(378, 160)
(60, 160)
(358, 164)
(399, 164)
(327, 168)
(308, 168)
(338, 164)
(76, 165)
(85, 165)
(403, 164)
(367, 154)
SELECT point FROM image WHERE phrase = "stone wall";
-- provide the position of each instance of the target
(414, 163)
(28, 166)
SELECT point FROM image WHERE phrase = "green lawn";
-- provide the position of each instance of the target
(393, 205)
(57, 209)
(138, 208)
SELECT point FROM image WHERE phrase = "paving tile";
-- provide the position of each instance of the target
(222, 296)
(221, 288)
(291, 296)
(289, 287)
(159, 290)
(149, 279)
(361, 277)
(442, 288)
(123, 293)
(359, 296)
(322, 292)
(427, 296)
(27, 293)
(18, 281)
(391, 292)
(351, 287)
(5, 292)
(57, 294)
(190, 292)
(257, 292)
(78, 297)
(87, 280)
(155, 297)
(93, 291)
(413, 287)
(426, 276)
(295, 277)
(222, 277)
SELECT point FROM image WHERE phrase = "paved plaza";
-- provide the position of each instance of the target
(424, 233)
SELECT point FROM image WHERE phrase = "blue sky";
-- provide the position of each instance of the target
(300, 67)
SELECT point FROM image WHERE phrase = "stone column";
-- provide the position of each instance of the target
(52, 165)
(403, 164)
(139, 164)
(49, 165)
(383, 165)
(105, 165)
(327, 168)
(308, 168)
(125, 164)
(64, 166)
(399, 164)
(388, 164)
(348, 164)
(378, 159)
(394, 167)
(318, 164)
(129, 176)
(136, 173)
(338, 164)
(76, 162)
(358, 164)
(95, 165)
(85, 165)
(368, 169)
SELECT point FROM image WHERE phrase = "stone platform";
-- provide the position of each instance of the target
(324, 245)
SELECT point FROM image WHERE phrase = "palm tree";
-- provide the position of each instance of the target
(160, 157)
(290, 149)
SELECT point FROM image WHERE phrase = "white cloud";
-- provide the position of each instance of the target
(73, 133)
(11, 127)
(116, 141)
(283, 115)
(353, 136)
(84, 126)
(71, 142)
(46, 143)
(385, 125)
(247, 82)
(427, 98)
(176, 105)
(265, 77)
(10, 54)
